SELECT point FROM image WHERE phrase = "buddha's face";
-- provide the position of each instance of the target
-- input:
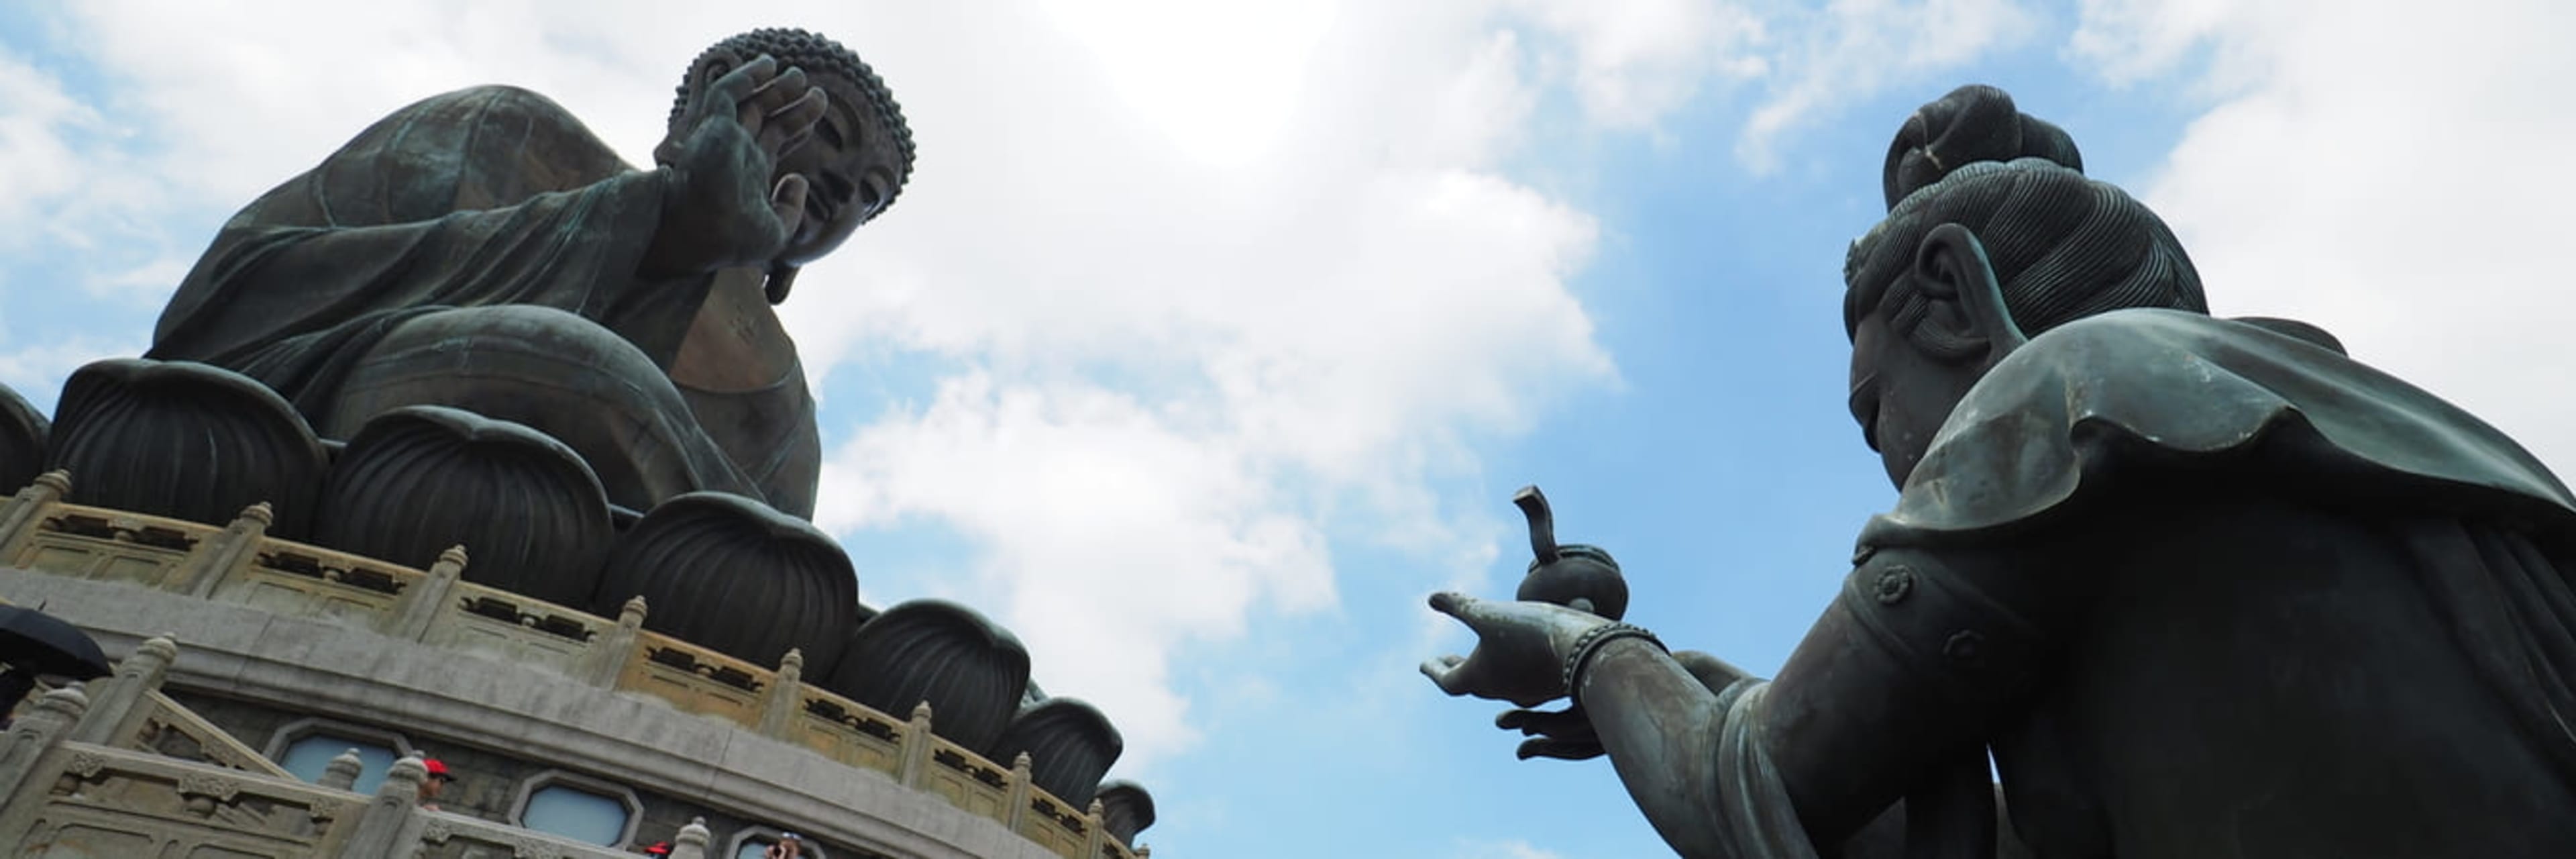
(849, 168)
(850, 164)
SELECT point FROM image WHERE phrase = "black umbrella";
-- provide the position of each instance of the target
(35, 643)
(46, 645)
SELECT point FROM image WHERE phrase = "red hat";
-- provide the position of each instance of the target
(436, 769)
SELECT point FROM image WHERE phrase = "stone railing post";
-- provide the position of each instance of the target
(912, 756)
(778, 713)
(386, 823)
(18, 516)
(124, 701)
(692, 841)
(1015, 793)
(342, 772)
(38, 730)
(608, 655)
(419, 604)
(219, 556)
(1095, 830)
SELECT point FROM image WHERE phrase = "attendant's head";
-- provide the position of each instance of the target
(860, 153)
(1993, 237)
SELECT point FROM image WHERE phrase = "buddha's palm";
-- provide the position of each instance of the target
(722, 208)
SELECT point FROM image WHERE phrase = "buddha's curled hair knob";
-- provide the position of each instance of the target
(1580, 577)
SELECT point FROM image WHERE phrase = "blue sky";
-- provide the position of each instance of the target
(1210, 338)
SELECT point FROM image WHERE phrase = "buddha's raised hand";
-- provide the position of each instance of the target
(724, 205)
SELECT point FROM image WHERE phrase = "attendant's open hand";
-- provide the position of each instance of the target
(1567, 734)
(1520, 652)
(1562, 734)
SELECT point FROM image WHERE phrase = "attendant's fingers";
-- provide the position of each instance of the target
(1551, 722)
(1444, 672)
(1450, 602)
(1567, 750)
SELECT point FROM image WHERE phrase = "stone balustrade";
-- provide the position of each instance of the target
(239, 564)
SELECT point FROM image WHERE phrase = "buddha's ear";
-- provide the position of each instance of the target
(1950, 268)
(781, 279)
(712, 66)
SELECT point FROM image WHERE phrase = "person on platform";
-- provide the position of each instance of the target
(434, 783)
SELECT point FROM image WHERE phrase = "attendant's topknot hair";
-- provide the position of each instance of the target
(2063, 246)
(819, 55)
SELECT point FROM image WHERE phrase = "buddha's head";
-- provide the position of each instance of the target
(860, 153)
(1993, 236)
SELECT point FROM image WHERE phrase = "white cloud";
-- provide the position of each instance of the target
(1320, 328)
(37, 372)
(37, 160)
(1633, 61)
(1505, 850)
(2386, 173)
(1852, 48)
(1116, 530)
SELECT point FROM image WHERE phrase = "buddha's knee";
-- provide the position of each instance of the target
(513, 362)
(557, 372)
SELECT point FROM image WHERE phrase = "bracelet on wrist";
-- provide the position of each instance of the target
(1591, 642)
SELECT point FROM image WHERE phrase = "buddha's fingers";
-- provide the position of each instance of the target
(787, 127)
(769, 103)
(731, 88)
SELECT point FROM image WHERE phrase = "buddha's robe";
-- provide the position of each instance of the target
(479, 249)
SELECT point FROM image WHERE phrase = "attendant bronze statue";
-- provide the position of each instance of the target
(2201, 587)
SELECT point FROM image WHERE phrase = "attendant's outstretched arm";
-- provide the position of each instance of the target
(1899, 685)
(1894, 692)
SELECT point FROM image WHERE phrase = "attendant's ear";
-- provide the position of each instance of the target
(1950, 269)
